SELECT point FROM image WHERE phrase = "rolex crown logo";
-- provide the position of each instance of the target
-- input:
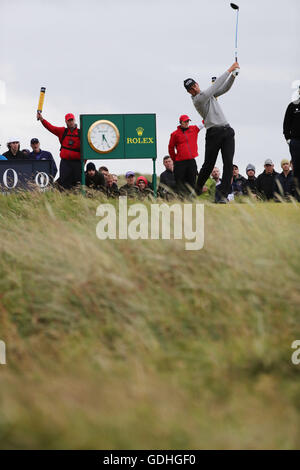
(140, 131)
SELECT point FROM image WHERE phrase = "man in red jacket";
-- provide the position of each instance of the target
(183, 149)
(69, 137)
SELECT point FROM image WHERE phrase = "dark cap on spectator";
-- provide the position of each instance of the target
(34, 140)
(235, 166)
(250, 167)
(188, 83)
(129, 173)
(90, 166)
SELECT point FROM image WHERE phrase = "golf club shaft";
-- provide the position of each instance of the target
(236, 35)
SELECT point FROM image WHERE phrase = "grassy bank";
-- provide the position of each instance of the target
(141, 344)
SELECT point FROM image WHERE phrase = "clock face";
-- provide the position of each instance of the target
(103, 136)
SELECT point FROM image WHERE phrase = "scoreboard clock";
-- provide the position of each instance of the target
(103, 136)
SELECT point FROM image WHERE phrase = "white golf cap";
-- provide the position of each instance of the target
(13, 139)
(269, 162)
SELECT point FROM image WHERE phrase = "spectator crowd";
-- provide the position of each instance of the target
(269, 185)
(180, 175)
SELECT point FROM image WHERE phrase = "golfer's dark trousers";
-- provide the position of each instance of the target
(218, 138)
(69, 173)
(295, 154)
(185, 174)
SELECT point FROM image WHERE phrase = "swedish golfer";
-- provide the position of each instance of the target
(219, 135)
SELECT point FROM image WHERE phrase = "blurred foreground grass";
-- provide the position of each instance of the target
(141, 344)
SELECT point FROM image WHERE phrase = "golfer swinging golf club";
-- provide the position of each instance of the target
(219, 135)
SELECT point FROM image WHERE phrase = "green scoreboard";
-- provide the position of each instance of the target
(118, 136)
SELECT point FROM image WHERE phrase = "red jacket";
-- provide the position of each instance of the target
(183, 144)
(68, 151)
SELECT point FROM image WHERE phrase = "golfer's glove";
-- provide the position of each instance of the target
(235, 72)
(288, 141)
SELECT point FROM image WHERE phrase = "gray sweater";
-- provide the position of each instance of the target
(207, 105)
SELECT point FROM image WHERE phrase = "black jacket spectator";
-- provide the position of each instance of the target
(19, 155)
(285, 185)
(237, 185)
(250, 184)
(266, 184)
(167, 178)
(95, 180)
(291, 124)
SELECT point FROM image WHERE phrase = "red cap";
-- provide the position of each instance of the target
(184, 117)
(142, 178)
(69, 116)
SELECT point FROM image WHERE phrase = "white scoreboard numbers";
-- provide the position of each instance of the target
(10, 179)
(25, 175)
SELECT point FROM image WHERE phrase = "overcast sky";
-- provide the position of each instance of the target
(132, 57)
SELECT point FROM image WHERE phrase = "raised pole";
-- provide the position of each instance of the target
(154, 178)
(82, 176)
(82, 159)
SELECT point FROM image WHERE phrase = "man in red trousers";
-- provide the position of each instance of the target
(183, 149)
(69, 137)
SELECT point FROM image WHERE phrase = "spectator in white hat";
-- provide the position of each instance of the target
(14, 152)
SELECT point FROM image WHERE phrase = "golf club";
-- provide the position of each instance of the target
(236, 7)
